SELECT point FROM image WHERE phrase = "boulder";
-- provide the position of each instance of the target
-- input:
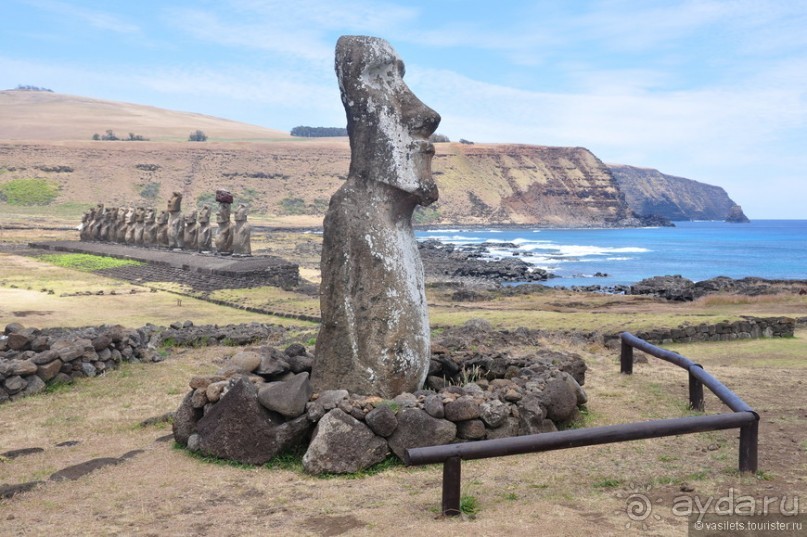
(462, 409)
(382, 420)
(49, 370)
(417, 429)
(494, 413)
(560, 400)
(273, 363)
(185, 419)
(433, 405)
(35, 385)
(243, 362)
(23, 367)
(14, 384)
(530, 415)
(45, 357)
(510, 427)
(471, 430)
(68, 349)
(239, 428)
(342, 444)
(20, 340)
(287, 398)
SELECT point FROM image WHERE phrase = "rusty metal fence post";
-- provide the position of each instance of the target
(696, 392)
(749, 442)
(626, 358)
(452, 478)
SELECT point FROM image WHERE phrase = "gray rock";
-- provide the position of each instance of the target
(510, 427)
(382, 420)
(241, 429)
(272, 364)
(88, 369)
(35, 385)
(300, 363)
(418, 429)
(560, 400)
(49, 370)
(199, 398)
(19, 341)
(433, 405)
(580, 393)
(185, 419)
(287, 398)
(494, 413)
(193, 442)
(530, 414)
(45, 357)
(375, 338)
(342, 444)
(244, 362)
(406, 400)
(471, 430)
(461, 409)
(23, 367)
(12, 328)
(14, 384)
(68, 350)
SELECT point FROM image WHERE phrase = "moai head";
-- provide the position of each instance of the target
(121, 216)
(389, 127)
(175, 202)
(151, 216)
(140, 215)
(241, 213)
(131, 215)
(163, 218)
(204, 215)
(190, 219)
(223, 214)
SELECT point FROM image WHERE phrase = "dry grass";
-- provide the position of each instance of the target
(167, 492)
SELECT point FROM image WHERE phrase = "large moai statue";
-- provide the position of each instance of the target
(224, 233)
(175, 222)
(150, 227)
(204, 236)
(120, 225)
(242, 235)
(107, 231)
(131, 220)
(97, 221)
(190, 236)
(162, 229)
(140, 225)
(374, 337)
(84, 230)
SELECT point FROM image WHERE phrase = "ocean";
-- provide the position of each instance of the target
(772, 249)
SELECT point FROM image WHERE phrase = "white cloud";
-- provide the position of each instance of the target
(102, 20)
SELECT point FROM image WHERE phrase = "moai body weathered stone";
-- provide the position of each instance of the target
(242, 235)
(224, 233)
(190, 236)
(150, 227)
(374, 337)
(108, 225)
(204, 235)
(84, 229)
(175, 222)
(162, 229)
(120, 225)
(97, 221)
(140, 225)
(131, 220)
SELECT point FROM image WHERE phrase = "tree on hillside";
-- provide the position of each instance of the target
(28, 87)
(197, 136)
(318, 132)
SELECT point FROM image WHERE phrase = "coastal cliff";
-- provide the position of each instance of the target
(288, 181)
(650, 192)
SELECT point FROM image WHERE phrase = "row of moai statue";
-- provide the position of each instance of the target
(171, 229)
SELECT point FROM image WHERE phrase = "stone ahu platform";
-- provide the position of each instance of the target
(259, 270)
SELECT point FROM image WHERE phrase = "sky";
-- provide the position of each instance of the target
(711, 90)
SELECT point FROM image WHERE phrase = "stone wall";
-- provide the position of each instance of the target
(747, 328)
(31, 359)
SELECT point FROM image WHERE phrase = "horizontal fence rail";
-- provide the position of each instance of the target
(742, 417)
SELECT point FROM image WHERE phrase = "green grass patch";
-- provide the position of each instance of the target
(87, 262)
(469, 505)
(33, 191)
(607, 483)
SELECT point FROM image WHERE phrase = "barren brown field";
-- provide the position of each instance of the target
(167, 491)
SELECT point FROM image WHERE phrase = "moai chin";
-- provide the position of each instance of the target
(242, 235)
(175, 222)
(374, 337)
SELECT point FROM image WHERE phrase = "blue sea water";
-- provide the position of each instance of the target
(772, 249)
